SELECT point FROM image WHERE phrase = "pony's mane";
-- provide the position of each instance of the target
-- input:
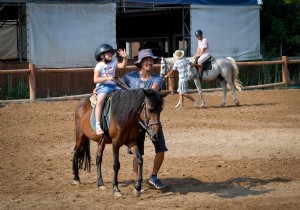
(127, 103)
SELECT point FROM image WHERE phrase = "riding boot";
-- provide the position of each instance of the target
(199, 75)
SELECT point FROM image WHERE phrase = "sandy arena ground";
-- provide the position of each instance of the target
(245, 157)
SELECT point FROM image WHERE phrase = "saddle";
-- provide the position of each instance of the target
(105, 116)
(206, 65)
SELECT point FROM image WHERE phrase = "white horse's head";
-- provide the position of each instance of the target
(166, 65)
(163, 67)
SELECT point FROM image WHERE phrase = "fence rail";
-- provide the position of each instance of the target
(32, 71)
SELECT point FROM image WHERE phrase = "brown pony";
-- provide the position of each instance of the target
(131, 111)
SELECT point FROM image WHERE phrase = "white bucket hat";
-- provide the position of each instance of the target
(178, 54)
(144, 54)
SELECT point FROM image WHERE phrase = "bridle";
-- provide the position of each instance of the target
(145, 124)
(166, 68)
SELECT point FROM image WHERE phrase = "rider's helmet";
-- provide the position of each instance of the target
(198, 33)
(103, 48)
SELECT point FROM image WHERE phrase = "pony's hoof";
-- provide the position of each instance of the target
(76, 182)
(237, 103)
(118, 194)
(102, 187)
(203, 106)
(137, 193)
(222, 104)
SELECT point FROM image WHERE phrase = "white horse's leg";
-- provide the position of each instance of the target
(198, 85)
(232, 88)
(223, 86)
(235, 82)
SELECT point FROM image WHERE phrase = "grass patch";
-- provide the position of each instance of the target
(15, 91)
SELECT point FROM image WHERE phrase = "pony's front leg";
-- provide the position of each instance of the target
(198, 85)
(139, 160)
(116, 168)
(223, 86)
(99, 156)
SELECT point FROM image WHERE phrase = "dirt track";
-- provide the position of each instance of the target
(245, 157)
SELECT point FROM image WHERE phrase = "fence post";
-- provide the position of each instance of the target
(32, 82)
(285, 78)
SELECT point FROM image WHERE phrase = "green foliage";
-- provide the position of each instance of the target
(259, 75)
(280, 26)
(20, 91)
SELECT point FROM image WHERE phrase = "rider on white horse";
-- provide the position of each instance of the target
(203, 52)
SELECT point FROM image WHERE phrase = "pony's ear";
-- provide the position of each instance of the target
(148, 92)
(165, 93)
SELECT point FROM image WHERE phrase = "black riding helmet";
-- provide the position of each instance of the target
(103, 48)
(198, 33)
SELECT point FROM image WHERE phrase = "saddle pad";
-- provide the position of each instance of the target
(207, 65)
(105, 117)
(93, 119)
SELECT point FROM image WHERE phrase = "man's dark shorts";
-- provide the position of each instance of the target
(160, 145)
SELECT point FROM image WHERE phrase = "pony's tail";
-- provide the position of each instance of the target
(85, 156)
(235, 74)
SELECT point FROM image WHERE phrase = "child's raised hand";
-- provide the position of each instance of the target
(122, 53)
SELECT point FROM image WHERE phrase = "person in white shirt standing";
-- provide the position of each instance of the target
(181, 65)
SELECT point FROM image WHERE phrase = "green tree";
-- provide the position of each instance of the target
(280, 27)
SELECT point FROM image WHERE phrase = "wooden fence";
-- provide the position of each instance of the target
(32, 73)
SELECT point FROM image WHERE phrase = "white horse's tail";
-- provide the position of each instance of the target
(235, 74)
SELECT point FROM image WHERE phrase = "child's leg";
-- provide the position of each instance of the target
(188, 96)
(199, 69)
(181, 101)
(98, 112)
(171, 84)
(195, 101)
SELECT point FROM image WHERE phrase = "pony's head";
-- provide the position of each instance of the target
(149, 113)
(135, 108)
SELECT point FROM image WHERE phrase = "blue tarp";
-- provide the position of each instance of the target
(205, 2)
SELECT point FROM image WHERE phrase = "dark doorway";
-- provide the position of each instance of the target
(159, 28)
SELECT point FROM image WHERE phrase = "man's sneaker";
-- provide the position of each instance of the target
(196, 103)
(157, 184)
(99, 131)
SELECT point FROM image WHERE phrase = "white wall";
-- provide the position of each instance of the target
(230, 30)
(66, 35)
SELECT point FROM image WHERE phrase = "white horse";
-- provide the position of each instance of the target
(223, 69)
